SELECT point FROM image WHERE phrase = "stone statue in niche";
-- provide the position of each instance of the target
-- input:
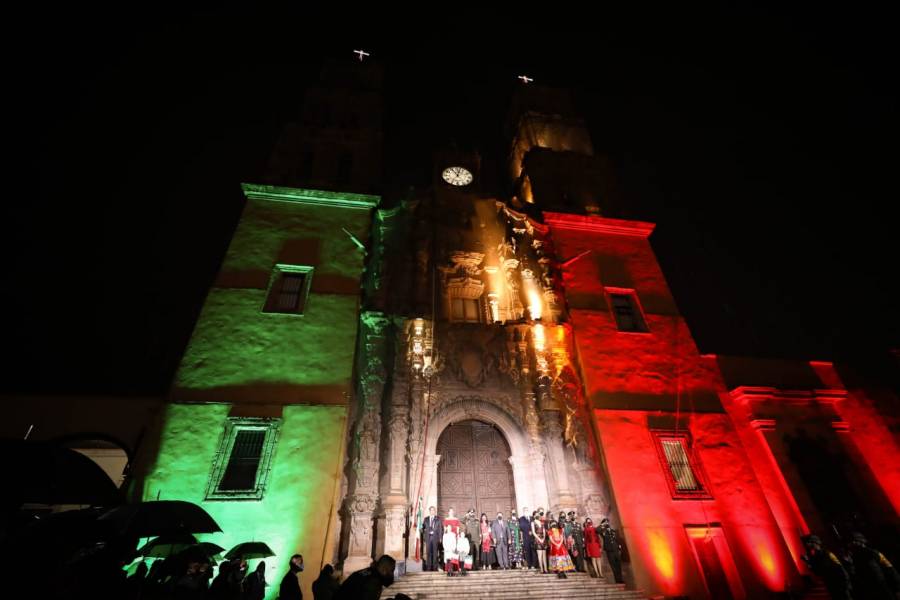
(359, 532)
(567, 392)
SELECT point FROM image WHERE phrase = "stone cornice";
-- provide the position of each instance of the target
(273, 193)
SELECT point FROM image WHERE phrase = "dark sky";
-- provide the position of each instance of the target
(763, 144)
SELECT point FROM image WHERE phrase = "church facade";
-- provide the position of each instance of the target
(360, 359)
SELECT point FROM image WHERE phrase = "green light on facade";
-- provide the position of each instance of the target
(297, 507)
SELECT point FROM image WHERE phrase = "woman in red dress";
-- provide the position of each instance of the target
(592, 546)
(560, 561)
(487, 556)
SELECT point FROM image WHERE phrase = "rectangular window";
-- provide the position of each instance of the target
(242, 463)
(682, 469)
(467, 310)
(627, 311)
(288, 289)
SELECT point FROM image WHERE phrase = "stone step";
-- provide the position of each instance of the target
(507, 585)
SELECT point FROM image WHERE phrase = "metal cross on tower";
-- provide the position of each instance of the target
(525, 78)
(362, 54)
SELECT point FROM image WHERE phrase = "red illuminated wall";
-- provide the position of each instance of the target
(638, 382)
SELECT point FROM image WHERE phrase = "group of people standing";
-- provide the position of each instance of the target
(537, 541)
(858, 572)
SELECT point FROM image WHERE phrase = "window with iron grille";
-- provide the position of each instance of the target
(627, 312)
(288, 290)
(682, 468)
(241, 466)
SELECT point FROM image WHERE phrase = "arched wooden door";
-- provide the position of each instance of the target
(474, 471)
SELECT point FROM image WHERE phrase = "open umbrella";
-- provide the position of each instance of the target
(46, 473)
(167, 545)
(249, 550)
(204, 551)
(160, 517)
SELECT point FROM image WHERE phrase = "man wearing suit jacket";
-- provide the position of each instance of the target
(432, 532)
(500, 533)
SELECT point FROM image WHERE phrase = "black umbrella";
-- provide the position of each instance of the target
(46, 473)
(204, 551)
(167, 545)
(250, 550)
(160, 517)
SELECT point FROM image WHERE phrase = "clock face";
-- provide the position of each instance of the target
(457, 176)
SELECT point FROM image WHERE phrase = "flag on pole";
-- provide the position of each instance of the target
(418, 528)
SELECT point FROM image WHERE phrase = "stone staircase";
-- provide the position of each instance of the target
(505, 585)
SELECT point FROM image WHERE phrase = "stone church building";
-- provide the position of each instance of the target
(361, 358)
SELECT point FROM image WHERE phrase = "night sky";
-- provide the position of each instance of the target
(764, 146)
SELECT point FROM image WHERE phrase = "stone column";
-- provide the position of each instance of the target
(562, 497)
(364, 455)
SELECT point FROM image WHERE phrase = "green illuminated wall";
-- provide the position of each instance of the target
(240, 354)
(294, 513)
(243, 362)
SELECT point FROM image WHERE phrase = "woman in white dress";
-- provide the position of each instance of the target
(462, 553)
(451, 559)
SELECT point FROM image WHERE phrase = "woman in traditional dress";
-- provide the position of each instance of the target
(515, 541)
(592, 546)
(451, 560)
(540, 541)
(487, 554)
(560, 561)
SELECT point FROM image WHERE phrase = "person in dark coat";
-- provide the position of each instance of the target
(527, 546)
(432, 532)
(577, 535)
(290, 583)
(255, 583)
(611, 548)
(873, 575)
(827, 567)
(366, 584)
(326, 586)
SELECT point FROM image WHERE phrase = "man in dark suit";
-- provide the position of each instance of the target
(432, 532)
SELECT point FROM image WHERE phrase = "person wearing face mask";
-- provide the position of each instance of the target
(290, 583)
(500, 534)
(486, 555)
(528, 555)
(539, 535)
(515, 541)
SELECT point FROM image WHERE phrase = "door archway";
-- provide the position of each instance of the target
(475, 470)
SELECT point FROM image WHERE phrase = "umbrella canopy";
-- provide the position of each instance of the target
(160, 517)
(250, 550)
(167, 545)
(204, 551)
(46, 473)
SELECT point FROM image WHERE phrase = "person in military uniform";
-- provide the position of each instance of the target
(577, 541)
(872, 574)
(472, 531)
(611, 548)
(827, 567)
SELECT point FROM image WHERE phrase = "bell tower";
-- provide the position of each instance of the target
(551, 156)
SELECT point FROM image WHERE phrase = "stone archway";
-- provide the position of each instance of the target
(474, 471)
(527, 462)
